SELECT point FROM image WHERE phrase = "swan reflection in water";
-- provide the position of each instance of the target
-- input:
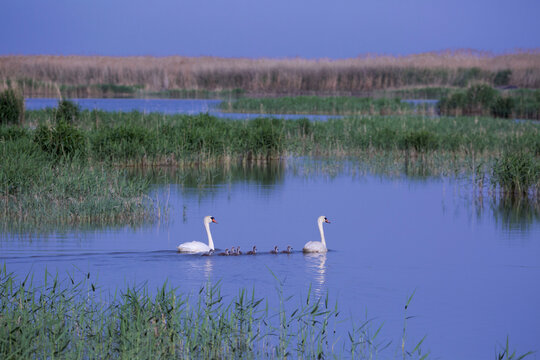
(316, 266)
(200, 266)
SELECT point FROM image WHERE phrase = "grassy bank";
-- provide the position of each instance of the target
(156, 139)
(39, 191)
(421, 93)
(102, 76)
(477, 100)
(317, 105)
(56, 172)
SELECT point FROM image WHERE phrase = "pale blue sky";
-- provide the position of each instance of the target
(265, 28)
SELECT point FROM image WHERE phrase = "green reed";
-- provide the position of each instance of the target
(72, 319)
(38, 190)
(137, 137)
(419, 145)
(434, 93)
(11, 107)
(516, 173)
(485, 100)
(199, 94)
(337, 105)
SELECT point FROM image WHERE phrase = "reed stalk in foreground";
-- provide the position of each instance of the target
(68, 319)
(72, 319)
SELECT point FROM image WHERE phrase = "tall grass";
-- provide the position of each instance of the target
(39, 190)
(70, 319)
(484, 100)
(517, 173)
(156, 139)
(51, 75)
(43, 185)
(11, 107)
(184, 139)
(434, 93)
(526, 103)
(317, 105)
(160, 139)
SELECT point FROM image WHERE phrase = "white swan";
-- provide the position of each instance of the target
(197, 246)
(317, 246)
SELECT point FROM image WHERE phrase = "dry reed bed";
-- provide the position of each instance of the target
(269, 76)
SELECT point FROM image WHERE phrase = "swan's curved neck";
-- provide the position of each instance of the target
(322, 233)
(210, 241)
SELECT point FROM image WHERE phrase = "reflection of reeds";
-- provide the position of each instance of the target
(94, 75)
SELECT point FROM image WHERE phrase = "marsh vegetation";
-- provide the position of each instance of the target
(73, 160)
(73, 319)
(94, 76)
(66, 166)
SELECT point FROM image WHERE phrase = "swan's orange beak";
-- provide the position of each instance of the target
(214, 220)
(327, 221)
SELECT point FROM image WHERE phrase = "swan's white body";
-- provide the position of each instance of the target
(197, 246)
(317, 246)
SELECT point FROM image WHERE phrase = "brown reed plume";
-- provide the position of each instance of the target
(50, 75)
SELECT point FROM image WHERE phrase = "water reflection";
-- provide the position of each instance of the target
(200, 268)
(200, 177)
(515, 214)
(164, 106)
(316, 266)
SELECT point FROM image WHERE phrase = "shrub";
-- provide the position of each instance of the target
(11, 107)
(453, 104)
(67, 111)
(502, 77)
(62, 140)
(465, 75)
(503, 107)
(480, 97)
(477, 100)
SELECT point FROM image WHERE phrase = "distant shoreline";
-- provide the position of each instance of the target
(214, 77)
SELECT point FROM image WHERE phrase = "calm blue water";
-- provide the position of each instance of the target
(165, 106)
(474, 265)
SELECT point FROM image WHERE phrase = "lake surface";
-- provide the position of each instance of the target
(474, 264)
(165, 106)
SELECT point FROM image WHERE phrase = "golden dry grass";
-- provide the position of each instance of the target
(45, 73)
